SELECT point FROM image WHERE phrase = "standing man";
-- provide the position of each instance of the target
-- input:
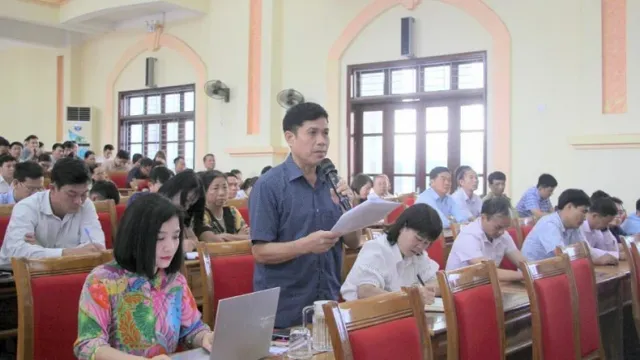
(292, 209)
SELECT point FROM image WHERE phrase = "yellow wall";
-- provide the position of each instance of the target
(555, 78)
(28, 93)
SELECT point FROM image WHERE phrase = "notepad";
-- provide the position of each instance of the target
(437, 306)
(191, 255)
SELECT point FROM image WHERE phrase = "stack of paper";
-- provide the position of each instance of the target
(363, 215)
(437, 306)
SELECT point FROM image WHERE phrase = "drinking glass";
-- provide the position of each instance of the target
(300, 344)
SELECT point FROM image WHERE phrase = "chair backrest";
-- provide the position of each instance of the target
(631, 246)
(5, 216)
(516, 235)
(387, 326)
(585, 278)
(106, 210)
(227, 270)
(554, 308)
(48, 295)
(120, 179)
(238, 203)
(244, 212)
(395, 214)
(474, 312)
(436, 252)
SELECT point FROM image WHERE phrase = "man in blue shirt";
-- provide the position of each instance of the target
(437, 196)
(292, 208)
(28, 178)
(562, 228)
(535, 201)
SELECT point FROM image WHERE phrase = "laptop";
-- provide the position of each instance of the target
(243, 328)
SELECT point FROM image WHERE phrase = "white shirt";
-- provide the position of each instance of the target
(472, 243)
(381, 264)
(600, 242)
(34, 215)
(473, 204)
(4, 185)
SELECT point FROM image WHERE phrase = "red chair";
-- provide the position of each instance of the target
(506, 263)
(244, 212)
(582, 267)
(227, 271)
(474, 312)
(106, 210)
(142, 184)
(48, 295)
(525, 229)
(436, 252)
(554, 308)
(387, 326)
(120, 208)
(395, 214)
(5, 216)
(631, 247)
(120, 179)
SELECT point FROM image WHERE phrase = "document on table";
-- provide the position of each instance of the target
(363, 215)
(437, 306)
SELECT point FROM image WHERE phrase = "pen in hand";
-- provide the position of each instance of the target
(420, 280)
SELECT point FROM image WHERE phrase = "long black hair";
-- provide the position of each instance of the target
(419, 217)
(185, 183)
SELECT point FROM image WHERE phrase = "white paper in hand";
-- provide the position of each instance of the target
(363, 215)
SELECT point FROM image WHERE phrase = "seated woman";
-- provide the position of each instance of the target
(361, 186)
(465, 196)
(140, 306)
(397, 257)
(186, 192)
(221, 223)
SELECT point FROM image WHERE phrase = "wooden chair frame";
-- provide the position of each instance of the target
(24, 270)
(631, 247)
(533, 271)
(238, 203)
(206, 251)
(376, 310)
(462, 279)
(577, 251)
(109, 207)
(5, 210)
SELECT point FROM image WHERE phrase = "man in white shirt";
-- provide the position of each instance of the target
(107, 154)
(486, 238)
(595, 229)
(27, 180)
(57, 222)
(380, 187)
(7, 168)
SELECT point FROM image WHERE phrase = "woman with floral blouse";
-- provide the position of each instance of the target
(140, 306)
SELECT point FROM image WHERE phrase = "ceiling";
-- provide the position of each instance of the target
(18, 30)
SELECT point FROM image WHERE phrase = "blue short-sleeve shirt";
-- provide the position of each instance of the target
(284, 207)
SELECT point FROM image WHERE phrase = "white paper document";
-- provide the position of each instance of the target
(437, 306)
(363, 215)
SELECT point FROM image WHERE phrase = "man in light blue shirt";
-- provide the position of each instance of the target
(631, 225)
(437, 196)
(28, 178)
(535, 201)
(561, 228)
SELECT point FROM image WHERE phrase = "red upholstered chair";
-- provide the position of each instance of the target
(387, 326)
(436, 252)
(517, 239)
(120, 208)
(106, 210)
(395, 214)
(245, 214)
(475, 316)
(120, 179)
(5, 216)
(525, 230)
(582, 266)
(631, 247)
(227, 269)
(554, 308)
(48, 295)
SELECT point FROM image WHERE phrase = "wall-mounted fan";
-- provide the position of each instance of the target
(218, 90)
(290, 97)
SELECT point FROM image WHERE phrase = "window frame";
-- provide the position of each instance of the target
(453, 98)
(125, 121)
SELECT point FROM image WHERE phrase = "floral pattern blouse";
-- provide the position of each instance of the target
(232, 221)
(134, 314)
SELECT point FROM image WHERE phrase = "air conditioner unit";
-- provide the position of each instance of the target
(78, 126)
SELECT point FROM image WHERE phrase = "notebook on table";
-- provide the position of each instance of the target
(437, 306)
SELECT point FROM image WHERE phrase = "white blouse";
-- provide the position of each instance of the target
(381, 264)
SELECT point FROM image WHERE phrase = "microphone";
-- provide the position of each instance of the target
(331, 174)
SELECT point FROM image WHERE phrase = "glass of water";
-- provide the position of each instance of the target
(300, 344)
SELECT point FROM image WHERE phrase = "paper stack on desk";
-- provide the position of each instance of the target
(363, 215)
(437, 306)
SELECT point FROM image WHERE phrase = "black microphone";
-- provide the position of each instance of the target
(329, 171)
